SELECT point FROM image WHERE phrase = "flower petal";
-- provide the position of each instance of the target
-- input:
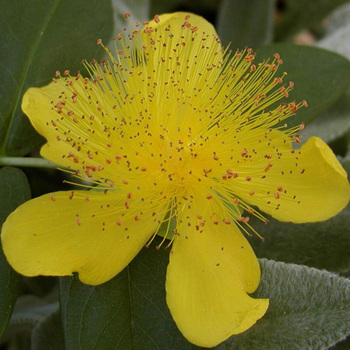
(87, 232)
(304, 185)
(211, 270)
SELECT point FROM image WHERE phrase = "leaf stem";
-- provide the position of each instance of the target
(26, 162)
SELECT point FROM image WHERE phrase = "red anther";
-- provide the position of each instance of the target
(58, 138)
(187, 17)
(127, 15)
(54, 80)
(216, 222)
(66, 72)
(284, 92)
(119, 36)
(209, 196)
(236, 200)
(297, 140)
(194, 29)
(252, 68)
(57, 73)
(215, 157)
(199, 217)
(129, 195)
(120, 52)
(277, 80)
(156, 19)
(277, 195)
(118, 222)
(53, 198)
(143, 169)
(252, 192)
(202, 223)
(249, 58)
(276, 55)
(78, 222)
(302, 126)
(244, 153)
(206, 171)
(291, 85)
(87, 198)
(99, 41)
(304, 103)
(137, 218)
(227, 222)
(224, 177)
(248, 178)
(246, 219)
(118, 158)
(127, 205)
(145, 23)
(75, 120)
(108, 161)
(70, 113)
(137, 24)
(125, 182)
(279, 188)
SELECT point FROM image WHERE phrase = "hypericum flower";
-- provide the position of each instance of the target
(172, 127)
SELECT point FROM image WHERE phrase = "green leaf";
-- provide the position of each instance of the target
(309, 309)
(14, 190)
(48, 334)
(246, 23)
(40, 37)
(159, 7)
(324, 245)
(300, 14)
(320, 77)
(128, 312)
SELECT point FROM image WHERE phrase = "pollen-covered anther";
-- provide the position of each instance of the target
(99, 41)
(244, 219)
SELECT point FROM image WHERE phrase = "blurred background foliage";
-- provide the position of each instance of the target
(39, 37)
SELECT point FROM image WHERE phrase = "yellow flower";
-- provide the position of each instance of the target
(172, 127)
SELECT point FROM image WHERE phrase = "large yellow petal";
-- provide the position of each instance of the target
(211, 270)
(305, 185)
(91, 233)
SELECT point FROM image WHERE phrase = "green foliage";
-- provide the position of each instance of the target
(324, 245)
(300, 14)
(14, 190)
(320, 77)
(246, 23)
(309, 309)
(40, 37)
(128, 312)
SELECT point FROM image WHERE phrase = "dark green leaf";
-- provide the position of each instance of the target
(324, 245)
(246, 23)
(309, 309)
(128, 312)
(300, 14)
(39, 37)
(48, 334)
(320, 77)
(14, 190)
